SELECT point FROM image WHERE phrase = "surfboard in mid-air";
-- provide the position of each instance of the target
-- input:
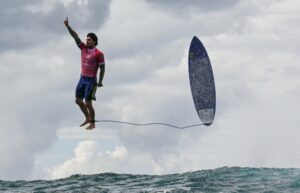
(202, 82)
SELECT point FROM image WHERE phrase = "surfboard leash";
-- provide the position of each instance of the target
(148, 124)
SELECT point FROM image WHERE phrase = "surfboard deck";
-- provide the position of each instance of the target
(202, 82)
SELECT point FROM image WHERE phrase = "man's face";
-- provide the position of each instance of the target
(89, 42)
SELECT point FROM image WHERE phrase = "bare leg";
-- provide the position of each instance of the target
(84, 109)
(91, 111)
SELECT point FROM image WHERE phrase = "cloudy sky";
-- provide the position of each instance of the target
(254, 49)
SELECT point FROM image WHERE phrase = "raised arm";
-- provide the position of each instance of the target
(72, 32)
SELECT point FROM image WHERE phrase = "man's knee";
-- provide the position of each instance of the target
(79, 101)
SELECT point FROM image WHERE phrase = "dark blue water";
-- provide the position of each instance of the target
(223, 180)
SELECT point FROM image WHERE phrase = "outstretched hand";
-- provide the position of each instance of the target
(66, 22)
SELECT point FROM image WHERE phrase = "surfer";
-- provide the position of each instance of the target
(91, 59)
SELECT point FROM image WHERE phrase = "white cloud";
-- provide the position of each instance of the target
(88, 160)
(83, 162)
(119, 153)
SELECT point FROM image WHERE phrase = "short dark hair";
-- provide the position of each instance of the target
(93, 36)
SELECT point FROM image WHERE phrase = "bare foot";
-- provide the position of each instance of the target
(91, 126)
(85, 122)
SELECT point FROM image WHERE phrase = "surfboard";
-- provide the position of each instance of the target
(202, 82)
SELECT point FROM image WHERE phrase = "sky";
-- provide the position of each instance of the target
(253, 47)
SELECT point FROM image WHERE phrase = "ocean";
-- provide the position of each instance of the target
(221, 180)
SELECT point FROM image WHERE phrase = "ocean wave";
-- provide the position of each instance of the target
(226, 179)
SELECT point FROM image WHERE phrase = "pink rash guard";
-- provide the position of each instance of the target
(91, 59)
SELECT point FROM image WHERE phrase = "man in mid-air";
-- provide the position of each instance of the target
(91, 60)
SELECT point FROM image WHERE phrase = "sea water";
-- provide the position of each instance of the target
(221, 180)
